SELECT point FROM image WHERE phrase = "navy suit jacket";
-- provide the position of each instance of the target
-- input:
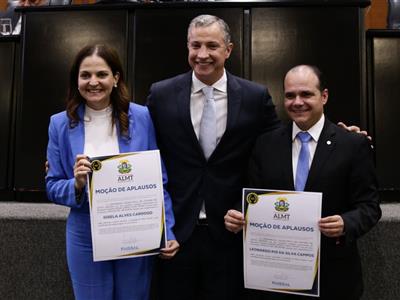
(66, 142)
(193, 179)
(343, 170)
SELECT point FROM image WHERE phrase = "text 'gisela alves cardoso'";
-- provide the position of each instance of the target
(281, 227)
(126, 189)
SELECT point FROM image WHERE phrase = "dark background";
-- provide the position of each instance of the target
(269, 38)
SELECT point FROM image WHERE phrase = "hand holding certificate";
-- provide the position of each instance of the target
(281, 241)
(126, 205)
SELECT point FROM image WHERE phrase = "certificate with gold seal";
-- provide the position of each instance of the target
(126, 202)
(281, 241)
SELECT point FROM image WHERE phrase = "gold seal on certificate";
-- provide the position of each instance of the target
(96, 165)
(281, 241)
(126, 201)
(252, 198)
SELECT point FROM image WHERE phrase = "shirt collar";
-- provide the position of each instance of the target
(220, 84)
(314, 131)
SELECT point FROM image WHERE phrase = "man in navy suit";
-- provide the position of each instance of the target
(205, 184)
(340, 167)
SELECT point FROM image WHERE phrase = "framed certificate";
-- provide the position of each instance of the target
(126, 202)
(281, 241)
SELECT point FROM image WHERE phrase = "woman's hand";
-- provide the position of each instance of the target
(81, 169)
(171, 249)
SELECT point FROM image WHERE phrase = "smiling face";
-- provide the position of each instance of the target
(304, 102)
(208, 52)
(96, 81)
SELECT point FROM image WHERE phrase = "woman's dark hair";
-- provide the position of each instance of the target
(119, 97)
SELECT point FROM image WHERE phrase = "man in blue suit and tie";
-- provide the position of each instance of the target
(206, 123)
(329, 160)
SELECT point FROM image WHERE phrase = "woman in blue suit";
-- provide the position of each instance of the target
(99, 120)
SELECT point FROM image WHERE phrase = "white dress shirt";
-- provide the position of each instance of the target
(197, 101)
(315, 132)
(100, 135)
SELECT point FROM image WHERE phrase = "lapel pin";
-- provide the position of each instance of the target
(328, 142)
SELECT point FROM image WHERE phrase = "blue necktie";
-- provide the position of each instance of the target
(303, 162)
(208, 123)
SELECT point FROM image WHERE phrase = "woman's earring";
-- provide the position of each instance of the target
(115, 84)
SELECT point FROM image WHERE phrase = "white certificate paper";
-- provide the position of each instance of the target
(281, 241)
(126, 202)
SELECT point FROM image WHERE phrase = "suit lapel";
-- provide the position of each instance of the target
(77, 134)
(182, 100)
(326, 144)
(285, 150)
(234, 101)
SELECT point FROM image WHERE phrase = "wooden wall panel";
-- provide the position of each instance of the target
(7, 61)
(327, 37)
(385, 107)
(51, 41)
(161, 44)
(376, 15)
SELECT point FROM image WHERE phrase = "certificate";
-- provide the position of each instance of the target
(126, 203)
(281, 241)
